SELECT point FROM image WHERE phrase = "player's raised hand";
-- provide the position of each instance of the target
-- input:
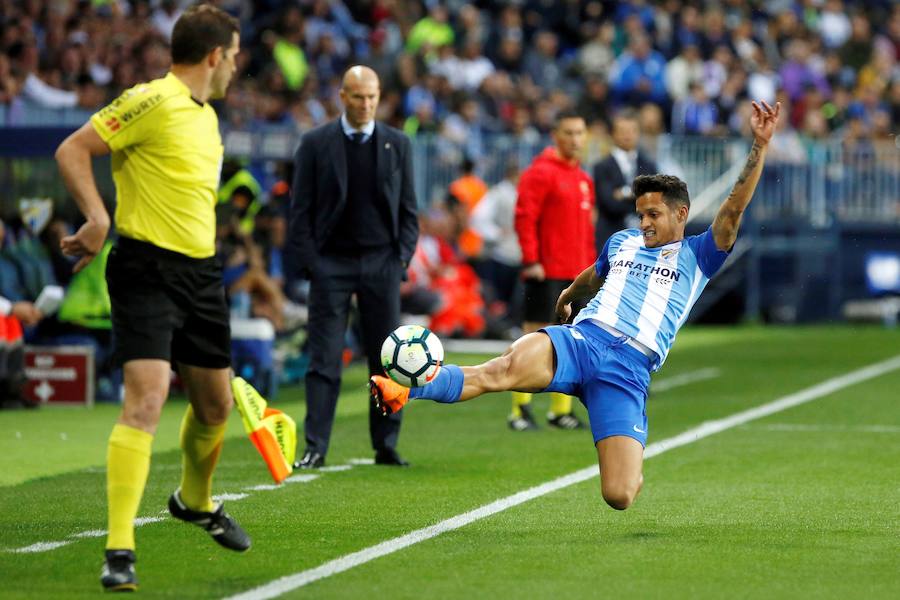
(764, 120)
(86, 243)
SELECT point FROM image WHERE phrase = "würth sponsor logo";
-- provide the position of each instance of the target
(113, 124)
(114, 111)
(143, 106)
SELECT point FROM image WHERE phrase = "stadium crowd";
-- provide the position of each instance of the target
(462, 72)
(465, 70)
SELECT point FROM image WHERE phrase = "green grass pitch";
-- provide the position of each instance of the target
(804, 503)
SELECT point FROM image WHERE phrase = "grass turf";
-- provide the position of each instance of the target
(803, 502)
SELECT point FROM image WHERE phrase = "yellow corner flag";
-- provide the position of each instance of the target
(272, 432)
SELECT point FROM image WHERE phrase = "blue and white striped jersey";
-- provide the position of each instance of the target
(649, 292)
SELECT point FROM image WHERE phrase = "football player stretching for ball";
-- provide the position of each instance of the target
(643, 286)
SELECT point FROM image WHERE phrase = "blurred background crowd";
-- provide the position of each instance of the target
(459, 74)
(465, 70)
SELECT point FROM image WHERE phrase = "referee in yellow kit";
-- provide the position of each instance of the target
(168, 301)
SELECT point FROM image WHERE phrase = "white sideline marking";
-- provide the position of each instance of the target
(228, 497)
(90, 533)
(140, 521)
(263, 487)
(40, 547)
(664, 385)
(815, 428)
(343, 563)
(335, 468)
(301, 478)
(361, 461)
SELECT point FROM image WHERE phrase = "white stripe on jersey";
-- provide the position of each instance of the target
(655, 304)
(611, 294)
(699, 283)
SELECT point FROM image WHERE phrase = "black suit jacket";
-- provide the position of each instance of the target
(319, 191)
(611, 213)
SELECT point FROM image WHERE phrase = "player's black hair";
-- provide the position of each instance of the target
(564, 115)
(199, 31)
(674, 191)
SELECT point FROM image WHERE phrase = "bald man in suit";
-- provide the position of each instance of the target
(353, 230)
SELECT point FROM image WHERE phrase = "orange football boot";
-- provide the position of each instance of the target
(388, 395)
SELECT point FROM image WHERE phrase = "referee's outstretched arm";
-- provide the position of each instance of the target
(728, 220)
(74, 159)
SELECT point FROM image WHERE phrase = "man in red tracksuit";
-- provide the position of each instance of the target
(555, 225)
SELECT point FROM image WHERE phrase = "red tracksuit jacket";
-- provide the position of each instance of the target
(554, 216)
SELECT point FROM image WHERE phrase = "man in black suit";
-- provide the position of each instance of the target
(353, 231)
(613, 176)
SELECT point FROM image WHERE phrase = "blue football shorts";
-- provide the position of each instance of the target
(609, 376)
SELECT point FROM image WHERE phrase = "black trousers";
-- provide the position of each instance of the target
(374, 276)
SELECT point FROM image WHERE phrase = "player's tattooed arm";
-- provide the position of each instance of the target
(728, 220)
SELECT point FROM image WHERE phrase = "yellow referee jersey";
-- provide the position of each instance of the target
(166, 162)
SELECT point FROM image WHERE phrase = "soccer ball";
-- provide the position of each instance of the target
(412, 355)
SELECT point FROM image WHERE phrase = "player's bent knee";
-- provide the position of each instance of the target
(143, 411)
(619, 496)
(214, 413)
(618, 501)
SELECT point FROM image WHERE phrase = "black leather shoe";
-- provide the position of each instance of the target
(218, 523)
(311, 460)
(118, 571)
(389, 456)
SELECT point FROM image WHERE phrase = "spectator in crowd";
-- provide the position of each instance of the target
(613, 177)
(696, 114)
(431, 32)
(33, 87)
(165, 16)
(596, 57)
(521, 129)
(465, 129)
(798, 72)
(594, 104)
(787, 147)
(834, 24)
(541, 63)
(638, 75)
(716, 70)
(493, 221)
(440, 283)
(473, 67)
(16, 312)
(250, 288)
(857, 51)
(763, 81)
(353, 231)
(468, 189)
(683, 70)
(554, 225)
(13, 316)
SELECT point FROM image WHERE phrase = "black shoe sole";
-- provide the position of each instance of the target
(122, 587)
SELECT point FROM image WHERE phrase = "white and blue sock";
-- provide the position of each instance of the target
(446, 388)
